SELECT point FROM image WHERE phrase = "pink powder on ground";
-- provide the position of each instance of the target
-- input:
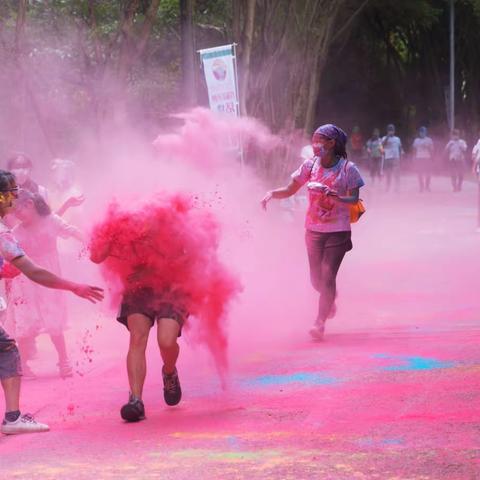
(169, 245)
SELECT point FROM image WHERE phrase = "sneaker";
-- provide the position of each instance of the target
(317, 332)
(23, 424)
(172, 392)
(134, 410)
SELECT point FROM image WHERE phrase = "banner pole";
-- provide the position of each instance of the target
(234, 48)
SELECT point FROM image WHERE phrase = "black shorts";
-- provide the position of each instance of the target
(154, 306)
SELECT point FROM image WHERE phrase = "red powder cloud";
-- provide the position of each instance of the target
(169, 245)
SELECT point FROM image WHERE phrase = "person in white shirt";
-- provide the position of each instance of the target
(476, 159)
(21, 166)
(456, 149)
(476, 172)
(423, 158)
(10, 365)
(393, 151)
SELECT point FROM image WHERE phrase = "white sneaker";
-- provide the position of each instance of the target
(23, 424)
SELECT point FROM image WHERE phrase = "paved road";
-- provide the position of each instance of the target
(392, 393)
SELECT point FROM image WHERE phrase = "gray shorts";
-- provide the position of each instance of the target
(10, 365)
(391, 164)
(153, 306)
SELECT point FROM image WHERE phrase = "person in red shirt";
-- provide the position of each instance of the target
(356, 147)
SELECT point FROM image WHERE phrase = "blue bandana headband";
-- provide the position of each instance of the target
(336, 133)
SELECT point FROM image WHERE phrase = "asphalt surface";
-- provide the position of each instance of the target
(392, 393)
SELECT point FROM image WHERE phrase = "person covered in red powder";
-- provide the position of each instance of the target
(141, 306)
(333, 183)
(10, 365)
(161, 261)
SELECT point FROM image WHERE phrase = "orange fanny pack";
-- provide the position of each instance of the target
(356, 211)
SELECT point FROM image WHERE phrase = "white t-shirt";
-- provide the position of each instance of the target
(324, 213)
(392, 146)
(423, 148)
(476, 152)
(456, 150)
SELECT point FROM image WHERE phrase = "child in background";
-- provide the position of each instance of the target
(21, 166)
(32, 309)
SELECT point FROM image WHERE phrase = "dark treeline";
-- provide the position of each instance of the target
(73, 68)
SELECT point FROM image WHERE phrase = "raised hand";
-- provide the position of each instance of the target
(266, 199)
(92, 294)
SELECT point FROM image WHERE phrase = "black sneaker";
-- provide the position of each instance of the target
(134, 410)
(172, 392)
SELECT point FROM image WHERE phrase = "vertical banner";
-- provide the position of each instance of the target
(219, 67)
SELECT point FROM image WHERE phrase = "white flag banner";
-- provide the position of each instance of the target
(220, 75)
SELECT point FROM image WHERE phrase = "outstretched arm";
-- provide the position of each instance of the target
(50, 280)
(283, 192)
(69, 203)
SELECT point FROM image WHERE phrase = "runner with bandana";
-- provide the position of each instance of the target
(333, 183)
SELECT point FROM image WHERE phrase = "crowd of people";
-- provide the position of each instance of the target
(384, 157)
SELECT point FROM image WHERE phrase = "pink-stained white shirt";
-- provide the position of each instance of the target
(326, 214)
(9, 247)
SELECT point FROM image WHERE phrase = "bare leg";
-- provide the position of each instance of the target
(27, 348)
(332, 259)
(167, 334)
(11, 390)
(139, 326)
(59, 344)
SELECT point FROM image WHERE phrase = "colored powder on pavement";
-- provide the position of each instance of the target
(413, 363)
(169, 246)
(307, 378)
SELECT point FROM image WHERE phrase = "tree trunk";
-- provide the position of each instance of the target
(147, 26)
(322, 47)
(236, 22)
(127, 49)
(247, 54)
(17, 51)
(188, 52)
(20, 26)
